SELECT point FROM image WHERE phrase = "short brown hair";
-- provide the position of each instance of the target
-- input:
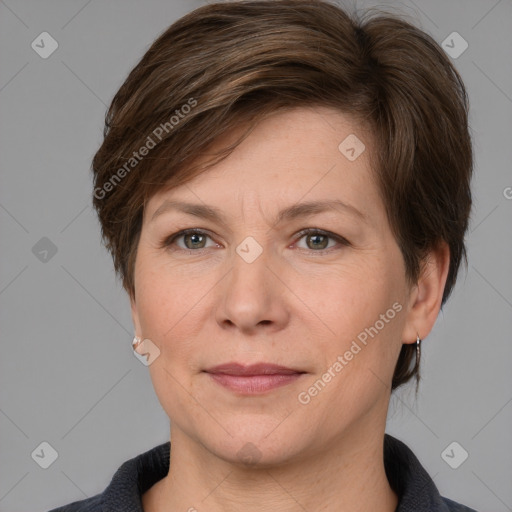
(226, 65)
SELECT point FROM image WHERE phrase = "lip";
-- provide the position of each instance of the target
(252, 369)
(253, 379)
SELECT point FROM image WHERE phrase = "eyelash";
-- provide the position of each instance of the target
(168, 241)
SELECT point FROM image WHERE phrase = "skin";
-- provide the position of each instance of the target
(294, 306)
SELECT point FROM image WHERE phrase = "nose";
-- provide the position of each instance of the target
(253, 297)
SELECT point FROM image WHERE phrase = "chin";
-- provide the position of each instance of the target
(255, 441)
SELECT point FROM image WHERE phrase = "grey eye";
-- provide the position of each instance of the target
(194, 240)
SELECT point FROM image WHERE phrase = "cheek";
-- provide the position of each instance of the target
(361, 307)
(350, 298)
(168, 310)
(166, 299)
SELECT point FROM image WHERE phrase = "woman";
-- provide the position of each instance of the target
(287, 225)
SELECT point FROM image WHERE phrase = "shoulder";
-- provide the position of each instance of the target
(452, 506)
(411, 482)
(128, 484)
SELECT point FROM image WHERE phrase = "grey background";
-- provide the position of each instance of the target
(68, 375)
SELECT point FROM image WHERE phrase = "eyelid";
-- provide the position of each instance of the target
(317, 231)
(167, 241)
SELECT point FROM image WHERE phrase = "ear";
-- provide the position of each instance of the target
(135, 317)
(427, 294)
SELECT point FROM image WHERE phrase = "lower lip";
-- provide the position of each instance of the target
(253, 384)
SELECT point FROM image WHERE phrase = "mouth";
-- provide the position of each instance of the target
(253, 379)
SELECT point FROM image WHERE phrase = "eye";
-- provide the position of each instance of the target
(317, 240)
(193, 239)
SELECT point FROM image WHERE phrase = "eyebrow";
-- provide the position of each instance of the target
(292, 212)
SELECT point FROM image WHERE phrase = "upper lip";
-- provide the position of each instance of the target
(253, 369)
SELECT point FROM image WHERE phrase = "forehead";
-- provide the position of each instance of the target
(311, 153)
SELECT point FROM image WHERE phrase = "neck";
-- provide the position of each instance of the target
(349, 476)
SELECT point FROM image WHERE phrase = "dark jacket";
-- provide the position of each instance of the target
(415, 489)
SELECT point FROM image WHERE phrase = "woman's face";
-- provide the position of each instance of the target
(247, 287)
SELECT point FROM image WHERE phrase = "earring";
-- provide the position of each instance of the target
(136, 342)
(418, 349)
